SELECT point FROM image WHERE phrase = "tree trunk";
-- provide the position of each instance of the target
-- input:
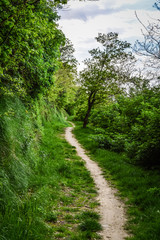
(85, 121)
(91, 101)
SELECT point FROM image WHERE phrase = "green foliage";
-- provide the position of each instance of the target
(64, 88)
(138, 187)
(21, 133)
(132, 125)
(42, 181)
(67, 56)
(100, 78)
(30, 42)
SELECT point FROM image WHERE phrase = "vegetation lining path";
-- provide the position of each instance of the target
(111, 209)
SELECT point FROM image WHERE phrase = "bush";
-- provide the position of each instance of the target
(132, 125)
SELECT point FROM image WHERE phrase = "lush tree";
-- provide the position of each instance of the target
(67, 56)
(63, 91)
(130, 124)
(100, 76)
(30, 41)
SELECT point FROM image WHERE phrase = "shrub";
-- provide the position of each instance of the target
(132, 125)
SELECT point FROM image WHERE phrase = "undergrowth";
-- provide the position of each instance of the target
(138, 187)
(45, 190)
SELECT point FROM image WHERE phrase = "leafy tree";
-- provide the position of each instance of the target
(131, 125)
(30, 41)
(100, 77)
(67, 56)
(62, 93)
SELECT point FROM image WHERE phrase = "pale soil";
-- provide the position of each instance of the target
(111, 208)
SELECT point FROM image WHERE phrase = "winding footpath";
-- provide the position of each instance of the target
(111, 208)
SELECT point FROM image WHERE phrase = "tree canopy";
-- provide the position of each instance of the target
(64, 88)
(30, 42)
(100, 76)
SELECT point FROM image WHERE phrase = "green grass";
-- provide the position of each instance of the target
(75, 189)
(44, 186)
(139, 188)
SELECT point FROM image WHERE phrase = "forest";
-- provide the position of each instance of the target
(44, 185)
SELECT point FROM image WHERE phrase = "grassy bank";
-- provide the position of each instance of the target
(70, 212)
(45, 190)
(139, 188)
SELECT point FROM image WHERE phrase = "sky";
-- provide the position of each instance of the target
(81, 21)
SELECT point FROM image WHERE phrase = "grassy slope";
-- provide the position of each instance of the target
(69, 186)
(45, 190)
(138, 187)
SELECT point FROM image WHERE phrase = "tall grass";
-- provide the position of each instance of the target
(45, 188)
(21, 133)
(139, 188)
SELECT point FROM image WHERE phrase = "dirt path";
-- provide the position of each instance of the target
(111, 209)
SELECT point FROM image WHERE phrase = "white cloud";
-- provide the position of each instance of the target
(115, 3)
(85, 10)
(85, 20)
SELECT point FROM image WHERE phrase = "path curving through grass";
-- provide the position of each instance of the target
(111, 208)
